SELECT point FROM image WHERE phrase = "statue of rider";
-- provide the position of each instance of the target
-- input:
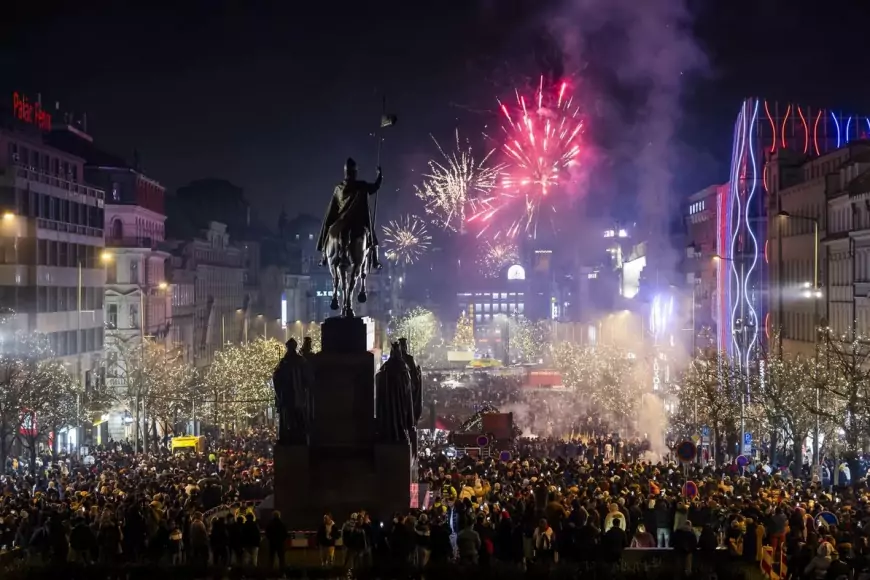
(349, 211)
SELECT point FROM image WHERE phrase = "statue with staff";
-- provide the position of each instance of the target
(348, 237)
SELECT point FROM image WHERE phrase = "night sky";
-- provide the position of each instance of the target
(275, 95)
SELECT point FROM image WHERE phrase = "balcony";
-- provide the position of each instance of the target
(56, 226)
(32, 174)
(145, 243)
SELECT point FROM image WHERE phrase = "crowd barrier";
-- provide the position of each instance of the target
(770, 566)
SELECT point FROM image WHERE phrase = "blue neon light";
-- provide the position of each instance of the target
(868, 124)
(837, 124)
(848, 124)
(748, 274)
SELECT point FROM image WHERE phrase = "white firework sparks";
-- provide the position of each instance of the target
(497, 255)
(406, 239)
(457, 187)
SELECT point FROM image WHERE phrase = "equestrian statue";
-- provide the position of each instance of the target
(348, 239)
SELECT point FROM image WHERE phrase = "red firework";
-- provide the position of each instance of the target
(541, 143)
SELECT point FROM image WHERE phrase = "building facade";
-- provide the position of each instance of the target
(52, 228)
(762, 131)
(703, 265)
(819, 255)
(217, 270)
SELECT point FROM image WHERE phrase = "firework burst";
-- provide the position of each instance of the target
(541, 142)
(496, 256)
(458, 186)
(406, 239)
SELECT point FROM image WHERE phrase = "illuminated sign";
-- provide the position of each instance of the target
(516, 272)
(284, 310)
(31, 113)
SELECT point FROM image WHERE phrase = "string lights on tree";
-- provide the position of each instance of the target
(464, 338)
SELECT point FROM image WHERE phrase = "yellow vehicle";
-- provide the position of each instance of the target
(189, 443)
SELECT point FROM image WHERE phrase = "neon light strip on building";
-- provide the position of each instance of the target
(742, 220)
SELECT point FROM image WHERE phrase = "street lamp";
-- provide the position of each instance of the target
(814, 292)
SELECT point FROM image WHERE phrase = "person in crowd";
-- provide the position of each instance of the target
(327, 535)
(685, 543)
(199, 540)
(355, 543)
(276, 537)
(250, 539)
(613, 543)
(663, 521)
(544, 540)
(817, 569)
(468, 544)
(642, 538)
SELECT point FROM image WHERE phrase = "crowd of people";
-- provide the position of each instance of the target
(117, 505)
(577, 499)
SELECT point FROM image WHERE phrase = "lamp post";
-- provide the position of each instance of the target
(815, 293)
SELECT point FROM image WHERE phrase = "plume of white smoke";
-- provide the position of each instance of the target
(650, 48)
(651, 53)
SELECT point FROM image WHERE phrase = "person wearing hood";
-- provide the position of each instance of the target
(817, 569)
(544, 540)
(642, 538)
(614, 515)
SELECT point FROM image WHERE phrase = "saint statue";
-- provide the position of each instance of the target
(416, 390)
(348, 211)
(394, 405)
(348, 240)
(293, 380)
(307, 349)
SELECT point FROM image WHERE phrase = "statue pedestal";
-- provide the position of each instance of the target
(343, 335)
(344, 469)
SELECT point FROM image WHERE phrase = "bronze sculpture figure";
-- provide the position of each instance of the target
(416, 390)
(394, 405)
(347, 235)
(293, 380)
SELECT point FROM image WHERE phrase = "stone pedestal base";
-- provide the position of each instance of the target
(292, 478)
(393, 465)
(343, 470)
(310, 482)
(343, 335)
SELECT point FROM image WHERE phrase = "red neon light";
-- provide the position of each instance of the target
(764, 176)
(766, 247)
(816, 132)
(784, 121)
(31, 113)
(767, 325)
(720, 275)
(806, 131)
(772, 126)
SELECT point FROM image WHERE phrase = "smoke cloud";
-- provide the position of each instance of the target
(646, 53)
